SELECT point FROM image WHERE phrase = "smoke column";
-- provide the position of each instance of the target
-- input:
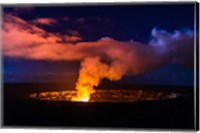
(133, 59)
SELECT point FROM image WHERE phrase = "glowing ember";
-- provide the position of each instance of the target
(126, 95)
(86, 99)
(83, 93)
(80, 99)
(84, 89)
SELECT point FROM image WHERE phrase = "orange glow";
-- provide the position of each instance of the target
(83, 93)
(109, 95)
(86, 99)
(80, 99)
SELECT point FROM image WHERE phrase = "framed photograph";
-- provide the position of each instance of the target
(113, 66)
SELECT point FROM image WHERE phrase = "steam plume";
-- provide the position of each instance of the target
(104, 58)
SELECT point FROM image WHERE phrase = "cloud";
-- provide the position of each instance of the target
(181, 42)
(104, 58)
(21, 37)
(44, 21)
(72, 32)
(26, 40)
(71, 39)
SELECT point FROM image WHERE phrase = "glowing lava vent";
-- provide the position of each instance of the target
(114, 95)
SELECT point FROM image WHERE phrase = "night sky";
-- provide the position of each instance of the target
(91, 23)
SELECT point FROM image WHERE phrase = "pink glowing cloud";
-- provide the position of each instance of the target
(44, 21)
(22, 39)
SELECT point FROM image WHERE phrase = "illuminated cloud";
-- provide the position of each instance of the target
(104, 58)
(181, 42)
(44, 21)
(71, 39)
(22, 39)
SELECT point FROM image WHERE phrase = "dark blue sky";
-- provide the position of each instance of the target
(124, 22)
(94, 22)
